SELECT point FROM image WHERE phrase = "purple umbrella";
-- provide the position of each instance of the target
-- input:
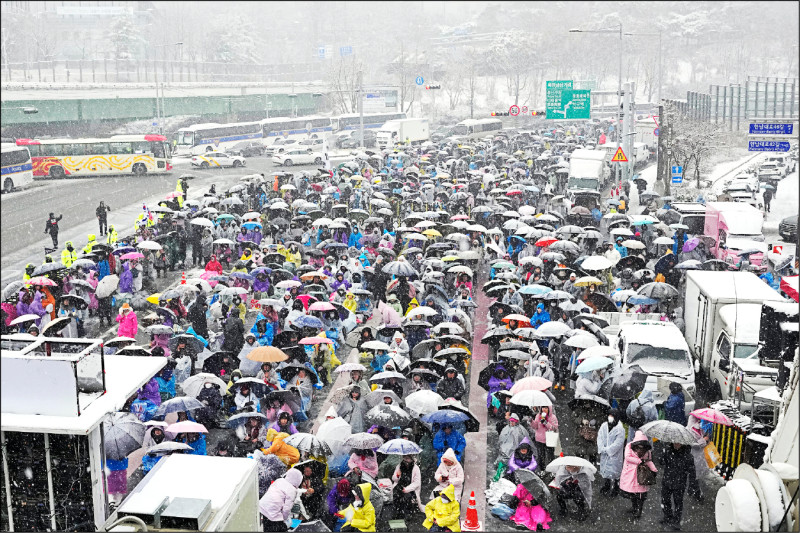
(691, 244)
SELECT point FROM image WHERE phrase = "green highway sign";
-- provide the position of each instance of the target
(565, 103)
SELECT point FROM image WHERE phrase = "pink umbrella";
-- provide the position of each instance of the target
(459, 217)
(321, 306)
(173, 194)
(531, 383)
(41, 281)
(187, 426)
(306, 299)
(711, 415)
(132, 255)
(315, 340)
(207, 274)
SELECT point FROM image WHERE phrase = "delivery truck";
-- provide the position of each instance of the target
(722, 315)
(735, 228)
(588, 170)
(412, 130)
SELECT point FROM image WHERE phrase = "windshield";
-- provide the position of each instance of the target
(639, 352)
(582, 183)
(186, 138)
(744, 350)
(696, 223)
(460, 129)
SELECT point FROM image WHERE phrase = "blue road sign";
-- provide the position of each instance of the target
(771, 129)
(420, 80)
(321, 52)
(768, 146)
(656, 131)
(677, 174)
(345, 51)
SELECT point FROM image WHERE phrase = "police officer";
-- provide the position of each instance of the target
(69, 255)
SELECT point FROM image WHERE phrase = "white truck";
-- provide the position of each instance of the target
(588, 170)
(722, 315)
(413, 130)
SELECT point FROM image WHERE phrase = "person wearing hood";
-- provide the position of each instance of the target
(276, 504)
(355, 238)
(574, 483)
(339, 498)
(540, 316)
(450, 386)
(352, 409)
(674, 407)
(522, 458)
(612, 254)
(264, 330)
(288, 454)
(398, 352)
(128, 322)
(406, 485)
(214, 266)
(611, 447)
(512, 297)
(363, 461)
(587, 386)
(412, 304)
(234, 333)
(443, 512)
(449, 472)
(252, 433)
(448, 438)
(640, 411)
(510, 438)
(678, 466)
(636, 453)
(360, 515)
(284, 424)
(357, 379)
(545, 420)
(153, 436)
(543, 369)
(350, 303)
(244, 398)
(197, 315)
(394, 303)
(339, 281)
(500, 380)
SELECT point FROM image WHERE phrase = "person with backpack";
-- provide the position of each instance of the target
(639, 412)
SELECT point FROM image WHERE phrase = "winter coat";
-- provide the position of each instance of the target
(128, 325)
(497, 384)
(368, 464)
(510, 439)
(586, 387)
(447, 515)
(198, 446)
(414, 486)
(628, 480)
(516, 463)
(454, 474)
(285, 452)
(529, 515)
(443, 441)
(234, 334)
(197, 316)
(126, 278)
(540, 318)
(362, 518)
(648, 404)
(540, 428)
(276, 504)
(677, 465)
(150, 392)
(353, 413)
(450, 388)
(547, 373)
(674, 408)
(582, 476)
(611, 447)
(336, 502)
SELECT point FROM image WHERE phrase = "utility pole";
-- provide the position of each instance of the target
(618, 126)
(361, 109)
(628, 130)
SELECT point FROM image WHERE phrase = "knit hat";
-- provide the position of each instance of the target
(514, 417)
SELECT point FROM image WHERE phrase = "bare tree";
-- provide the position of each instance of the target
(343, 79)
(691, 141)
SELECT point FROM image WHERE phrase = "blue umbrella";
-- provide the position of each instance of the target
(641, 222)
(251, 225)
(593, 363)
(535, 289)
(307, 321)
(400, 447)
(242, 275)
(641, 300)
(445, 416)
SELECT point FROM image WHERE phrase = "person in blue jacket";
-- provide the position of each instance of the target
(540, 316)
(446, 438)
(355, 238)
(264, 330)
(679, 239)
(623, 251)
(674, 407)
(197, 441)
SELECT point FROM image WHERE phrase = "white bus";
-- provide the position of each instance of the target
(475, 128)
(200, 138)
(352, 121)
(17, 168)
(300, 128)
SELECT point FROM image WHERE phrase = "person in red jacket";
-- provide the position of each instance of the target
(214, 266)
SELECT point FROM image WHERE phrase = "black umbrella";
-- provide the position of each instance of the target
(493, 336)
(623, 384)
(634, 262)
(289, 371)
(538, 489)
(602, 302)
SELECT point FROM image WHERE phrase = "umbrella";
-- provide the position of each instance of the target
(658, 291)
(314, 526)
(107, 286)
(42, 282)
(124, 433)
(308, 321)
(445, 416)
(535, 289)
(400, 447)
(187, 426)
(194, 384)
(581, 341)
(570, 460)
(552, 329)
(387, 416)
(267, 354)
(148, 245)
(598, 351)
(536, 486)
(624, 383)
(177, 404)
(531, 383)
(306, 442)
(691, 244)
(587, 280)
(594, 363)
(556, 295)
(159, 329)
(240, 418)
(364, 441)
(23, 318)
(668, 431)
(399, 268)
(577, 305)
(132, 255)
(376, 397)
(47, 268)
(531, 398)
(712, 415)
(349, 367)
(689, 264)
(633, 245)
(423, 402)
(314, 341)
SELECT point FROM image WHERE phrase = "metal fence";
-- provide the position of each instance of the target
(735, 105)
(147, 70)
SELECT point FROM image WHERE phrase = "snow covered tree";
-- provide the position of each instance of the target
(234, 40)
(125, 37)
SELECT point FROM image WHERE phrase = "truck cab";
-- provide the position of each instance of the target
(735, 227)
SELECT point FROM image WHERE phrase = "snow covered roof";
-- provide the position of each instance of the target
(730, 286)
(124, 376)
(657, 334)
(741, 218)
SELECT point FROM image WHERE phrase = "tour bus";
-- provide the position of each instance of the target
(300, 128)
(117, 155)
(475, 128)
(199, 138)
(17, 169)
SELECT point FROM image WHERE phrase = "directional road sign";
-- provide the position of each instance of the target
(677, 175)
(619, 156)
(564, 102)
(420, 80)
(770, 129)
(768, 146)
(345, 51)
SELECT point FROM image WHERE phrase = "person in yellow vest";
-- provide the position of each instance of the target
(182, 188)
(89, 245)
(29, 268)
(111, 235)
(69, 255)
(142, 218)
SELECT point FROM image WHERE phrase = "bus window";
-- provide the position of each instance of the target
(120, 148)
(141, 147)
(158, 149)
(34, 149)
(100, 149)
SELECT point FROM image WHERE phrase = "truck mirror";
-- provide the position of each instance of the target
(724, 365)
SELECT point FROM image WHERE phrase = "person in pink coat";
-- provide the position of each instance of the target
(636, 452)
(92, 280)
(529, 513)
(364, 461)
(545, 420)
(128, 322)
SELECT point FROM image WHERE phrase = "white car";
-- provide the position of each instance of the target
(218, 160)
(281, 145)
(311, 143)
(298, 157)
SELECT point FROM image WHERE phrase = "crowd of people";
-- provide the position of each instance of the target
(356, 288)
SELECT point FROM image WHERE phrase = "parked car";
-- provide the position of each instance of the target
(298, 157)
(218, 160)
(353, 140)
(247, 149)
(281, 145)
(314, 144)
(787, 229)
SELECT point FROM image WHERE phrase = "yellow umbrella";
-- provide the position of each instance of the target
(449, 258)
(587, 280)
(431, 233)
(153, 298)
(267, 354)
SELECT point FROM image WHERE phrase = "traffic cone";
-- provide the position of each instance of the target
(471, 523)
(183, 278)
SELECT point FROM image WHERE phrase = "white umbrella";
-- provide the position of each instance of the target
(597, 351)
(224, 241)
(531, 398)
(423, 402)
(423, 310)
(633, 245)
(107, 286)
(582, 341)
(200, 221)
(375, 345)
(552, 329)
(148, 245)
(596, 262)
(23, 318)
(570, 460)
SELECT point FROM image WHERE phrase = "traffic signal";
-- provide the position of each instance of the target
(430, 87)
(537, 113)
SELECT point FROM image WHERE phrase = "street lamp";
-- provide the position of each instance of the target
(160, 108)
(617, 126)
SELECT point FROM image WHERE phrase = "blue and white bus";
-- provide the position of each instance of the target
(16, 165)
(352, 121)
(300, 128)
(200, 138)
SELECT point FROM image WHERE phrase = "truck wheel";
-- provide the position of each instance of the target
(8, 185)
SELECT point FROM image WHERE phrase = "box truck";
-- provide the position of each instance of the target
(735, 228)
(413, 130)
(722, 315)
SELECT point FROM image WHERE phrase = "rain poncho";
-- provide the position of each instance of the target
(446, 514)
(527, 514)
(276, 504)
(366, 463)
(509, 439)
(286, 453)
(450, 475)
(442, 441)
(362, 517)
(518, 460)
(584, 478)
(610, 447)
(352, 411)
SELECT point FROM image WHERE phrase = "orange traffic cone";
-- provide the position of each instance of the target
(471, 523)
(183, 278)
